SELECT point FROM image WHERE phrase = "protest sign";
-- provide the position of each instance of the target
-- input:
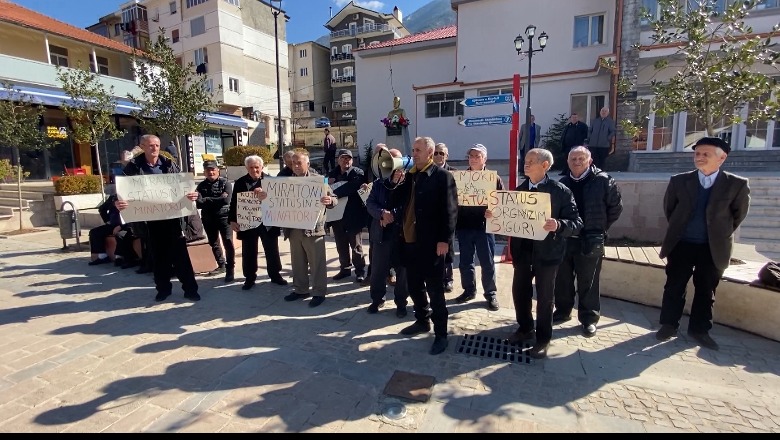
(248, 211)
(518, 214)
(337, 213)
(293, 202)
(363, 193)
(474, 186)
(155, 196)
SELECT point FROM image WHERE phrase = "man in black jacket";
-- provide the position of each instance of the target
(348, 230)
(574, 134)
(539, 260)
(166, 237)
(214, 203)
(473, 239)
(599, 204)
(440, 156)
(426, 207)
(269, 236)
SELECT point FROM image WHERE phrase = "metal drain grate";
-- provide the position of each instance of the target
(492, 347)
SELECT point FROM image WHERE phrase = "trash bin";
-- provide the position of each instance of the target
(68, 222)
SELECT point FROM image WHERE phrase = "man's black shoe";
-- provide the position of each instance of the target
(417, 328)
(317, 300)
(589, 330)
(465, 297)
(229, 276)
(119, 261)
(519, 337)
(296, 296)
(704, 339)
(492, 303)
(129, 264)
(439, 345)
(538, 351)
(448, 286)
(559, 317)
(279, 280)
(342, 274)
(400, 312)
(361, 279)
(218, 271)
(374, 307)
(192, 296)
(161, 296)
(248, 284)
(103, 260)
(666, 332)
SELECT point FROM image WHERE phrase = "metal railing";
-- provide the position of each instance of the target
(365, 29)
(343, 104)
(342, 56)
(343, 79)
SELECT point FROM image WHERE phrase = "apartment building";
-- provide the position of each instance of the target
(310, 87)
(130, 25)
(355, 27)
(233, 43)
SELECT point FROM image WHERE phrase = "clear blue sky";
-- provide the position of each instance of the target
(307, 17)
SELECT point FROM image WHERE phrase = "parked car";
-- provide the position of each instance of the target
(322, 122)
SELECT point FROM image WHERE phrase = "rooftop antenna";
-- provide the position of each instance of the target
(330, 10)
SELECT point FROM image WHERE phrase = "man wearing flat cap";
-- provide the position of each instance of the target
(347, 231)
(214, 203)
(703, 207)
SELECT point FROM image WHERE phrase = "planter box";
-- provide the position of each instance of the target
(80, 201)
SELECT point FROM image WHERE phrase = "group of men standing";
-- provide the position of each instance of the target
(413, 217)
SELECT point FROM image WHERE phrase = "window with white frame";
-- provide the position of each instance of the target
(197, 26)
(347, 48)
(191, 3)
(368, 23)
(58, 55)
(102, 65)
(234, 2)
(233, 84)
(588, 105)
(208, 85)
(589, 30)
(302, 53)
(304, 71)
(353, 28)
(349, 71)
(346, 97)
(335, 74)
(442, 105)
(200, 56)
(175, 36)
(334, 51)
(505, 90)
(172, 7)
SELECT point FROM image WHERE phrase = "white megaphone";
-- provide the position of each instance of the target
(383, 163)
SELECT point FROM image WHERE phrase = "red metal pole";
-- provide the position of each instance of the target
(514, 133)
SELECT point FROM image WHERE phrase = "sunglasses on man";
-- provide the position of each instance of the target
(439, 153)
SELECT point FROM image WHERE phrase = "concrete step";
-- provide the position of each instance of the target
(761, 200)
(11, 222)
(764, 211)
(28, 195)
(763, 244)
(39, 187)
(14, 203)
(764, 190)
(751, 232)
(758, 221)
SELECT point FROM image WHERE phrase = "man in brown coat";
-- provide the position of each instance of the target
(703, 208)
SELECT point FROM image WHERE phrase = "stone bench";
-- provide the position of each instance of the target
(637, 274)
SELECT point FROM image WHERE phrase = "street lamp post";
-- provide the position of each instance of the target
(280, 144)
(530, 32)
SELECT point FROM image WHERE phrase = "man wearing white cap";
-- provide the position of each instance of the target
(472, 238)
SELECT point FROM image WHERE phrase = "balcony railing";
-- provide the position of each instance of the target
(343, 79)
(342, 56)
(365, 29)
(343, 105)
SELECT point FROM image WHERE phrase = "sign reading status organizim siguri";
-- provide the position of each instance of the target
(155, 196)
(518, 214)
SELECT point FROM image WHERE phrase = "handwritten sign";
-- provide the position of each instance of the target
(474, 186)
(293, 202)
(156, 196)
(248, 210)
(363, 193)
(518, 214)
(337, 212)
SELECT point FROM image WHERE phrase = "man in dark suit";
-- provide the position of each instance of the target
(528, 140)
(347, 231)
(574, 135)
(269, 236)
(538, 260)
(426, 207)
(703, 208)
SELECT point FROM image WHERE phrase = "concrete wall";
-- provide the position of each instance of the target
(643, 218)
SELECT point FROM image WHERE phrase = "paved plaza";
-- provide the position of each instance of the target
(87, 349)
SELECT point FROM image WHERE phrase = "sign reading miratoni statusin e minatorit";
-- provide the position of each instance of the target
(155, 196)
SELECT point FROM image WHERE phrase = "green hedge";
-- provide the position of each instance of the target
(83, 184)
(234, 156)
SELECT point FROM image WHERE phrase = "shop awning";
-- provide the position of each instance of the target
(55, 98)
